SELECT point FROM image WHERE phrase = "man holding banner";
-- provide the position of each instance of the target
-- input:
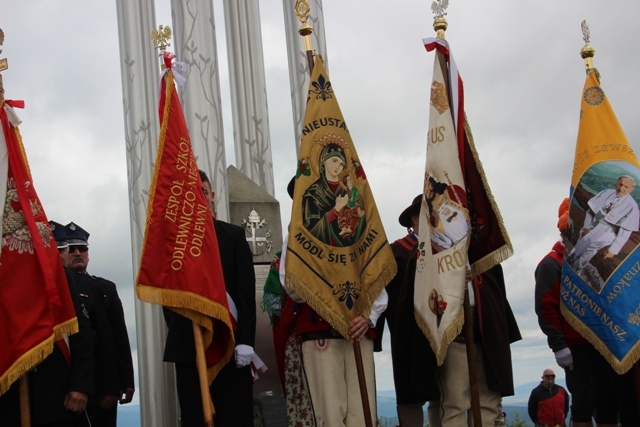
(47, 344)
(462, 237)
(336, 278)
(597, 295)
(180, 266)
(608, 315)
(593, 384)
(232, 389)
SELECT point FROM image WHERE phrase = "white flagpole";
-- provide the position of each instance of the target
(140, 70)
(200, 96)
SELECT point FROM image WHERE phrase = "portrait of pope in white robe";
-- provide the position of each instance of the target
(612, 216)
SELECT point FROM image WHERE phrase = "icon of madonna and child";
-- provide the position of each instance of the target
(332, 207)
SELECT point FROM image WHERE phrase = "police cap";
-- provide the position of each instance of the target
(76, 235)
(59, 233)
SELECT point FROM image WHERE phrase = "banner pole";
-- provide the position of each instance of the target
(201, 363)
(302, 11)
(25, 410)
(471, 361)
(363, 384)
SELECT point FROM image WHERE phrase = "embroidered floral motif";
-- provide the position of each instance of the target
(348, 292)
(299, 409)
(594, 96)
(322, 88)
(303, 168)
(421, 257)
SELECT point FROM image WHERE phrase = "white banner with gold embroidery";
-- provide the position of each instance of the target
(444, 226)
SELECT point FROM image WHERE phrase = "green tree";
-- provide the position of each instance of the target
(517, 421)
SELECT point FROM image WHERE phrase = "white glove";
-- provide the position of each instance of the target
(244, 355)
(564, 358)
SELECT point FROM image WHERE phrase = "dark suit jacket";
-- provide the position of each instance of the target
(497, 329)
(231, 391)
(92, 306)
(115, 314)
(54, 377)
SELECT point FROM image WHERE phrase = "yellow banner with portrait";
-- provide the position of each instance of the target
(600, 280)
(338, 257)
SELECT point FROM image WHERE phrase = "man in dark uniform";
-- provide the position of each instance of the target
(120, 364)
(232, 389)
(60, 386)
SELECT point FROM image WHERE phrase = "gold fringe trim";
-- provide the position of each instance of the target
(491, 260)
(440, 349)
(22, 151)
(67, 328)
(37, 354)
(199, 310)
(169, 88)
(619, 366)
(300, 286)
(25, 363)
(505, 251)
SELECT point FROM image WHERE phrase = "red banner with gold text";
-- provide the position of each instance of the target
(180, 266)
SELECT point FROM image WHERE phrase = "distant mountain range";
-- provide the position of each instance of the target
(513, 406)
(388, 415)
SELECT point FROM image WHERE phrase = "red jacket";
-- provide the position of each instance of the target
(547, 296)
(548, 407)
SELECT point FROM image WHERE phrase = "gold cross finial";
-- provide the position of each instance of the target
(161, 37)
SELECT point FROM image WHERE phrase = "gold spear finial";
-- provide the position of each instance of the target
(302, 12)
(3, 66)
(587, 52)
(302, 9)
(161, 37)
(439, 9)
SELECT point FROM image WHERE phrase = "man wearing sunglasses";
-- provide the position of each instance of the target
(549, 402)
(78, 260)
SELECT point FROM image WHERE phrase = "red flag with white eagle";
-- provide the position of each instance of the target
(35, 305)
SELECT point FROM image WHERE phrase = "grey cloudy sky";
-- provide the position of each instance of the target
(523, 78)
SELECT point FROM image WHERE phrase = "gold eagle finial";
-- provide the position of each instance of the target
(161, 37)
(587, 52)
(439, 9)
